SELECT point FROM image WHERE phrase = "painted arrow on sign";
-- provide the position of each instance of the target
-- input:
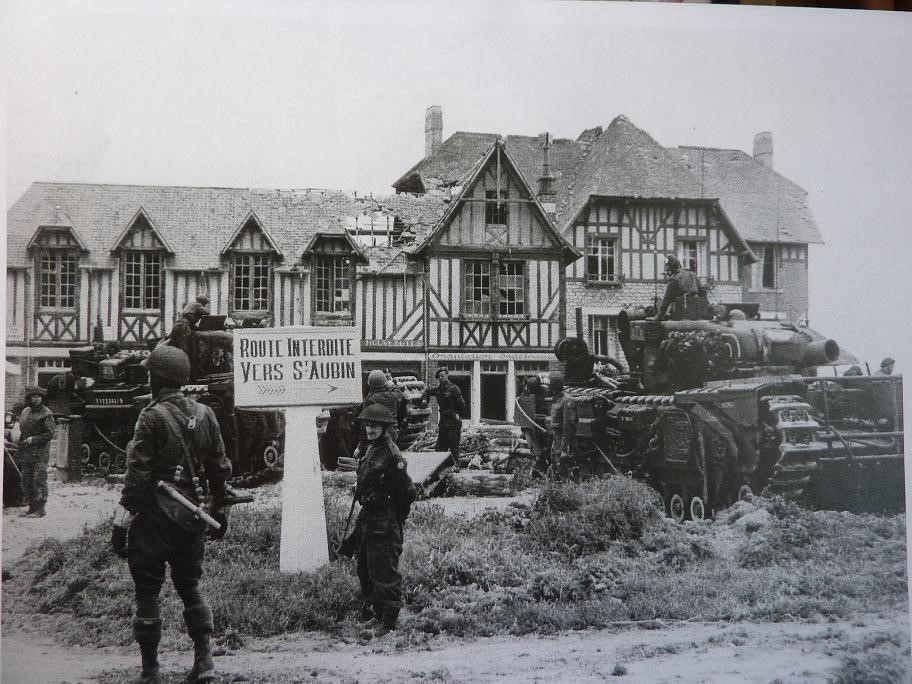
(271, 390)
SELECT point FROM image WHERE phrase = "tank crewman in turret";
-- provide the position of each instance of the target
(451, 406)
(524, 417)
(682, 285)
(854, 371)
(886, 367)
(562, 425)
(386, 493)
(176, 440)
(36, 425)
(186, 323)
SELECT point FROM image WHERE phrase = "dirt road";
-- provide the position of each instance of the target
(705, 653)
(678, 652)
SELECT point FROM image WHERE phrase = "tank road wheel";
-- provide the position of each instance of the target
(272, 459)
(697, 509)
(745, 493)
(85, 452)
(105, 462)
(120, 463)
(676, 508)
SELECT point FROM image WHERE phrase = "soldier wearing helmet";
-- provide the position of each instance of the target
(176, 440)
(186, 323)
(386, 493)
(886, 367)
(451, 406)
(36, 425)
(380, 392)
(562, 426)
(682, 285)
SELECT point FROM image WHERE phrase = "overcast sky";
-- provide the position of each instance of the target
(272, 94)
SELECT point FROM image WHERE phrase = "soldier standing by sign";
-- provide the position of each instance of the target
(451, 406)
(176, 441)
(385, 492)
(36, 425)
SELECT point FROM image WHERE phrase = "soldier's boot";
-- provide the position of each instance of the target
(198, 619)
(37, 512)
(366, 613)
(147, 632)
(388, 618)
(25, 514)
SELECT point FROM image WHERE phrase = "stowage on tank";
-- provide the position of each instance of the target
(712, 410)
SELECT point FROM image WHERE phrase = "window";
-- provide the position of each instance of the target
(142, 280)
(601, 259)
(57, 279)
(765, 273)
(496, 212)
(251, 282)
(603, 330)
(511, 285)
(332, 283)
(690, 255)
(477, 289)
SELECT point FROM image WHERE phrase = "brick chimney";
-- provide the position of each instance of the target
(546, 180)
(763, 148)
(433, 129)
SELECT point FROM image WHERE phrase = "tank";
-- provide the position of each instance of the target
(108, 389)
(707, 411)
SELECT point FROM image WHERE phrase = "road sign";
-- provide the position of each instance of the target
(297, 366)
(301, 369)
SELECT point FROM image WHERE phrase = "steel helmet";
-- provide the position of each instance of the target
(672, 263)
(377, 413)
(376, 379)
(169, 363)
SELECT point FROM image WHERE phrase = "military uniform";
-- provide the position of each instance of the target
(681, 287)
(385, 492)
(36, 425)
(524, 417)
(173, 431)
(393, 399)
(451, 406)
(562, 424)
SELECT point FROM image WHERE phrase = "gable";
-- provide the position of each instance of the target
(497, 208)
(141, 234)
(334, 244)
(55, 237)
(251, 236)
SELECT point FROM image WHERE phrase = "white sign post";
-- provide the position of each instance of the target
(300, 369)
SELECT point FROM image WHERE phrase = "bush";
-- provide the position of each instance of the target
(580, 519)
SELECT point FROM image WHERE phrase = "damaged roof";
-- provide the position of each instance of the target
(622, 160)
(99, 213)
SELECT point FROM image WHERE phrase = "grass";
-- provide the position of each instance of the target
(580, 556)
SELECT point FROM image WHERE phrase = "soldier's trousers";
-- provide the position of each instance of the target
(34, 480)
(448, 435)
(378, 566)
(156, 542)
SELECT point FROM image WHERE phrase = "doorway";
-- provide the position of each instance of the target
(494, 396)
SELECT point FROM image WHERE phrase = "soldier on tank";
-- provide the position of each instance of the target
(451, 406)
(386, 493)
(682, 287)
(886, 367)
(176, 440)
(36, 426)
(186, 323)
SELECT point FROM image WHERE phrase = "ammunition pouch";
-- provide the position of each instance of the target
(178, 514)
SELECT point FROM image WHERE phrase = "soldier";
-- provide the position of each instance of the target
(562, 427)
(185, 325)
(176, 440)
(524, 417)
(682, 285)
(386, 493)
(36, 425)
(886, 367)
(451, 406)
(854, 371)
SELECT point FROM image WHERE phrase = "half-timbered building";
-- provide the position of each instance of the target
(625, 202)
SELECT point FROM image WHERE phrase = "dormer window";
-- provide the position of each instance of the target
(332, 284)
(58, 279)
(252, 255)
(142, 280)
